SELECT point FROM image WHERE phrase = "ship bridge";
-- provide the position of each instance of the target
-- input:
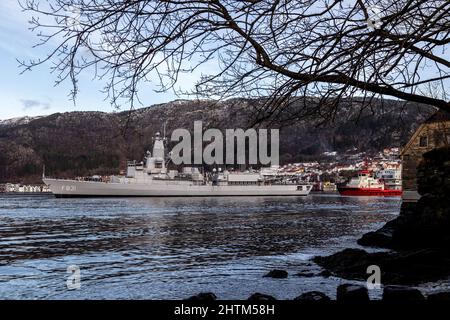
(154, 161)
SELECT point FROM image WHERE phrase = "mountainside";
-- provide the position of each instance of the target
(82, 143)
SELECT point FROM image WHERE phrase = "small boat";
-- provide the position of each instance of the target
(366, 185)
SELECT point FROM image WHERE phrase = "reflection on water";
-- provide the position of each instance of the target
(168, 248)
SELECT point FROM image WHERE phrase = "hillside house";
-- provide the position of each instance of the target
(433, 133)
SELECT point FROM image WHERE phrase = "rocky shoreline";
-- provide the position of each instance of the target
(419, 238)
(346, 293)
(406, 267)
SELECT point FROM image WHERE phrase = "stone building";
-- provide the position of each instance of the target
(433, 133)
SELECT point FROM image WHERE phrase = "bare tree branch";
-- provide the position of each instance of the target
(283, 50)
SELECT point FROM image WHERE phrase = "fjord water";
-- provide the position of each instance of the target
(171, 248)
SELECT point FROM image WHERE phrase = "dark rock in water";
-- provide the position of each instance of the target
(439, 297)
(352, 293)
(261, 297)
(278, 274)
(349, 263)
(203, 296)
(420, 234)
(405, 267)
(381, 238)
(313, 296)
(325, 274)
(399, 294)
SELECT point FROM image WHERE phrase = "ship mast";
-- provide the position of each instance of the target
(164, 130)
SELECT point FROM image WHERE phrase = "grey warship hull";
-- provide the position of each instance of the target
(73, 188)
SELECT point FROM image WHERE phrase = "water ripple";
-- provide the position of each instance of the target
(169, 248)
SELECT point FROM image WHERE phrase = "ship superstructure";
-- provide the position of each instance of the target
(365, 184)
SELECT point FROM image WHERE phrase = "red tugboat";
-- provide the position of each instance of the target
(366, 185)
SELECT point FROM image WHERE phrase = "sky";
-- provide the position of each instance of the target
(34, 93)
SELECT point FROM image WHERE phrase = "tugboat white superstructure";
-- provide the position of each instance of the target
(152, 179)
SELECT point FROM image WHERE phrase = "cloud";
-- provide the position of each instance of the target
(32, 104)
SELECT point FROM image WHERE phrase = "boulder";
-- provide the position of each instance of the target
(349, 263)
(439, 297)
(203, 296)
(261, 297)
(313, 296)
(351, 293)
(325, 274)
(276, 273)
(400, 294)
(380, 238)
(397, 268)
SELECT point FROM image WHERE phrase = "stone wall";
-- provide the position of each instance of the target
(437, 135)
